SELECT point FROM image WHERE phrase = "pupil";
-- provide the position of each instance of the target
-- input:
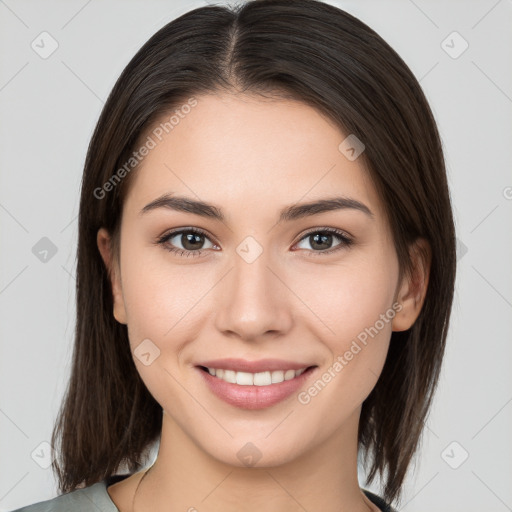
(325, 239)
(193, 239)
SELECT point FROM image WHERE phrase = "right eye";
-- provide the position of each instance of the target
(190, 239)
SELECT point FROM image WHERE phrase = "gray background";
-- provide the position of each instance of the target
(48, 109)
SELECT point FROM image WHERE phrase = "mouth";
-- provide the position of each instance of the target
(255, 390)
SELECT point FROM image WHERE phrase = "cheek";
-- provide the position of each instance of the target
(162, 301)
(349, 296)
(159, 295)
(353, 313)
(350, 301)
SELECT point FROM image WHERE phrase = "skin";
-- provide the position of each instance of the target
(251, 157)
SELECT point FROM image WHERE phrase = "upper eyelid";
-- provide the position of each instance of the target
(334, 231)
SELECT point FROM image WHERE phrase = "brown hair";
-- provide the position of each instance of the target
(320, 55)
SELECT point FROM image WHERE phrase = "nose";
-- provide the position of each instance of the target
(253, 301)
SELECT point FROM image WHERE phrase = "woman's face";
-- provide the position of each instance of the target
(254, 286)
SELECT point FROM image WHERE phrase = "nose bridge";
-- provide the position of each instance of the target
(253, 300)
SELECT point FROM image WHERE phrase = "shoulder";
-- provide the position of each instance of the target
(92, 498)
(377, 500)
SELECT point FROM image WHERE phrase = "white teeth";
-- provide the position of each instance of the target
(229, 376)
(262, 379)
(255, 379)
(278, 376)
(290, 374)
(244, 378)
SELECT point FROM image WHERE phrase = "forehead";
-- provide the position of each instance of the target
(247, 151)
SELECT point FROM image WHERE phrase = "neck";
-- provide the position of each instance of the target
(186, 477)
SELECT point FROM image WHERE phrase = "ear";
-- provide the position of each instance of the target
(103, 240)
(413, 288)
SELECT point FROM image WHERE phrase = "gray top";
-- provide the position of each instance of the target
(95, 498)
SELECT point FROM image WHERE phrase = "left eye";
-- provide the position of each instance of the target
(322, 238)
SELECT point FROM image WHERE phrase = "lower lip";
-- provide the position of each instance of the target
(254, 397)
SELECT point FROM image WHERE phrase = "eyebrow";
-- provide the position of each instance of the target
(288, 213)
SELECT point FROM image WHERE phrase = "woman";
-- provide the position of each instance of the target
(266, 264)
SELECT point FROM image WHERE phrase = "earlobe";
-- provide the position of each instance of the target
(103, 241)
(413, 290)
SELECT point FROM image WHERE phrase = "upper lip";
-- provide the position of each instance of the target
(262, 365)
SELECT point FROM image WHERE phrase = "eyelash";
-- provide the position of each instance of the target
(345, 241)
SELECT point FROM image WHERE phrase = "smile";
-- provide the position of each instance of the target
(246, 390)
